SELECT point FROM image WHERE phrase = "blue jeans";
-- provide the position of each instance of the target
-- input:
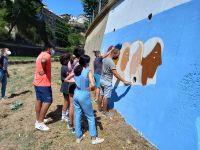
(3, 80)
(82, 103)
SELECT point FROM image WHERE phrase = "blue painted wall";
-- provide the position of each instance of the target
(166, 113)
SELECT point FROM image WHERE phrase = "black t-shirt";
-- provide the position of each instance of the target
(63, 73)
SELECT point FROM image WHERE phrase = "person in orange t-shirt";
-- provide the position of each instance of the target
(42, 83)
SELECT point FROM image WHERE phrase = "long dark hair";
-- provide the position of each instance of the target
(83, 61)
(78, 52)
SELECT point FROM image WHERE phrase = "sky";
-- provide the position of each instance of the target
(60, 7)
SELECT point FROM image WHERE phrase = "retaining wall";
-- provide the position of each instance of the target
(161, 57)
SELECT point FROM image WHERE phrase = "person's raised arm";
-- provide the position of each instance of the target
(105, 55)
(91, 80)
(114, 71)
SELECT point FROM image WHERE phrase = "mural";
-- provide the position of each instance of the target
(138, 61)
(161, 58)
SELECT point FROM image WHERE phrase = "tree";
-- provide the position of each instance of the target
(3, 24)
(75, 39)
(62, 31)
(89, 7)
(27, 17)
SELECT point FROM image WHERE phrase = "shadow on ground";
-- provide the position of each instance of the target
(19, 94)
(98, 122)
(55, 115)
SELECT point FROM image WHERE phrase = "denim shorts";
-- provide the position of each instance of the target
(97, 80)
(105, 88)
(44, 94)
(64, 87)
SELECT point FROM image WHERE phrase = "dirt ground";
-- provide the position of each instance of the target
(17, 127)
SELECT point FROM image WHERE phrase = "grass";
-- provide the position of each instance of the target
(27, 58)
(46, 145)
(25, 141)
(21, 58)
(17, 127)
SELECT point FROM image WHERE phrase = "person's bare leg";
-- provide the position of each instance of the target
(66, 104)
(99, 102)
(43, 111)
(71, 110)
(38, 105)
(97, 93)
(105, 104)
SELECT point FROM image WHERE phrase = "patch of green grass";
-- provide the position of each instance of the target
(25, 141)
(21, 58)
(4, 136)
(46, 145)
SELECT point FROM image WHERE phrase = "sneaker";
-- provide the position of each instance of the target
(78, 140)
(65, 119)
(108, 114)
(41, 126)
(97, 141)
(4, 98)
(99, 110)
(45, 121)
(73, 131)
(95, 100)
(69, 126)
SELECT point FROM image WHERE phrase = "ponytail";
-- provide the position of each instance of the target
(78, 70)
(83, 61)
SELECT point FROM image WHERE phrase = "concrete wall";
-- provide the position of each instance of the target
(94, 39)
(161, 57)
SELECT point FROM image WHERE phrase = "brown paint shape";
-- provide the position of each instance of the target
(125, 59)
(151, 63)
(135, 60)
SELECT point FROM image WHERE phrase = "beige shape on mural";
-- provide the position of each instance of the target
(123, 61)
(135, 58)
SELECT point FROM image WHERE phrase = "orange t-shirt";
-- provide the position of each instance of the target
(44, 80)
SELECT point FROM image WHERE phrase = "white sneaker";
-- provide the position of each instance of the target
(97, 141)
(78, 140)
(95, 100)
(69, 126)
(73, 131)
(65, 119)
(45, 121)
(4, 98)
(41, 126)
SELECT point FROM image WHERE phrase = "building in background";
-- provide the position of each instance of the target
(82, 19)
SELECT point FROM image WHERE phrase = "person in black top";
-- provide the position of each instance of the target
(64, 59)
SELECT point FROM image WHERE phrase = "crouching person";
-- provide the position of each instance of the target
(82, 100)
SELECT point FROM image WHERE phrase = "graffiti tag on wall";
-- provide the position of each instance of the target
(138, 61)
